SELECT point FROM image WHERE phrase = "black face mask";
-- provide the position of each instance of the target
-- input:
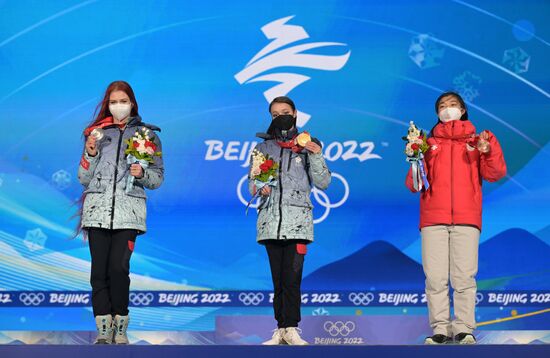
(284, 122)
(283, 126)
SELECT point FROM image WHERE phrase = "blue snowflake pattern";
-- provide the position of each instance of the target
(425, 52)
(516, 59)
(467, 85)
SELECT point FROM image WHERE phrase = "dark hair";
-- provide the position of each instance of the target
(282, 99)
(102, 109)
(459, 99)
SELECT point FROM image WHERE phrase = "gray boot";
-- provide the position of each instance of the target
(121, 325)
(104, 326)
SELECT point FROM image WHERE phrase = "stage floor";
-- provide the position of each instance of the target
(137, 351)
(240, 337)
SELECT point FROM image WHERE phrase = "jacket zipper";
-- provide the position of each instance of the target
(289, 160)
(452, 170)
(280, 193)
(121, 132)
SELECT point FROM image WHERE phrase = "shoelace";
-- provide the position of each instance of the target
(276, 332)
(295, 332)
(120, 328)
(103, 330)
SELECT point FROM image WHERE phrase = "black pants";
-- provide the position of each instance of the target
(286, 271)
(110, 277)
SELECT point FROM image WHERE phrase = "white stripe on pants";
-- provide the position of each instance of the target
(450, 251)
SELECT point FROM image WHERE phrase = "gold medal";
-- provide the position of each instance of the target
(303, 139)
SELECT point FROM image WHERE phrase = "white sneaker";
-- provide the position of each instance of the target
(277, 338)
(292, 337)
(465, 338)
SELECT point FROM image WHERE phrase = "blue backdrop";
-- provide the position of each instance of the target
(204, 72)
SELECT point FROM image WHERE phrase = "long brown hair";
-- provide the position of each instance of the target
(102, 109)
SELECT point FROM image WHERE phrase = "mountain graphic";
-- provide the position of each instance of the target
(378, 265)
(544, 234)
(521, 201)
(141, 343)
(514, 259)
(528, 191)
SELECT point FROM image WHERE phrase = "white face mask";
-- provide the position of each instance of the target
(450, 114)
(120, 110)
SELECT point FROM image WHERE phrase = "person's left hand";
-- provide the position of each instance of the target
(136, 170)
(483, 143)
(313, 147)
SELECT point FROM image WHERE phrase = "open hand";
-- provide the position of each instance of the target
(313, 147)
(483, 143)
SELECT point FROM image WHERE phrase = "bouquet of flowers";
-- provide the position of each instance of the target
(415, 149)
(140, 149)
(263, 172)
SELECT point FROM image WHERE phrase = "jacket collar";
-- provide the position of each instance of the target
(107, 122)
(454, 130)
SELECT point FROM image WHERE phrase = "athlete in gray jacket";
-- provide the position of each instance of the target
(285, 219)
(114, 212)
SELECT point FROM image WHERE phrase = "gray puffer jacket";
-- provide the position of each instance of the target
(288, 214)
(106, 204)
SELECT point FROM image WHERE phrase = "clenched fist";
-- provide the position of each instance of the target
(91, 147)
(136, 170)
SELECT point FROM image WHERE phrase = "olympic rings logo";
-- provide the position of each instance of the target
(361, 298)
(339, 328)
(251, 298)
(31, 298)
(320, 196)
(141, 298)
(479, 298)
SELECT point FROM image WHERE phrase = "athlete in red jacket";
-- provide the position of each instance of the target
(450, 216)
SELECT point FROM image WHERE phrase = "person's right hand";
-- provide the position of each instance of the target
(91, 147)
(483, 144)
(266, 190)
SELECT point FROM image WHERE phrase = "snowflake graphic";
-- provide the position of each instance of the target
(35, 239)
(425, 52)
(61, 179)
(516, 59)
(466, 84)
(320, 312)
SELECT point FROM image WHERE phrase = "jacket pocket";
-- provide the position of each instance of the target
(298, 198)
(97, 185)
(137, 191)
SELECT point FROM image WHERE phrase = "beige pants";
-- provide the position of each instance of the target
(450, 252)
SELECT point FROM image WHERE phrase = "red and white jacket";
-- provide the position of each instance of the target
(455, 174)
